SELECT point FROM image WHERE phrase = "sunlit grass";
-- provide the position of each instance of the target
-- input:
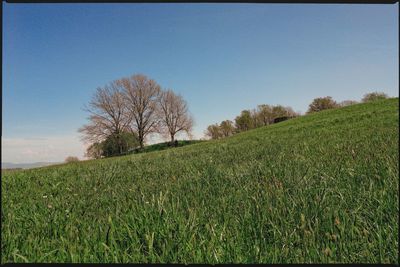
(316, 189)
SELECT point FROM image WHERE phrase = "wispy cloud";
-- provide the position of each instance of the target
(52, 149)
(49, 149)
(29, 152)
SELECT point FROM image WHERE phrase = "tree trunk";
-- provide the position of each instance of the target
(141, 139)
(141, 142)
(120, 145)
(118, 135)
(172, 139)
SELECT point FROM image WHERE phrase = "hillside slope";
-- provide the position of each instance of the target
(319, 188)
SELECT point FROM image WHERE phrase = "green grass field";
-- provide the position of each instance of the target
(316, 189)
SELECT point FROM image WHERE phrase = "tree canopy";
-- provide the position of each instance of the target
(322, 103)
(374, 96)
(125, 111)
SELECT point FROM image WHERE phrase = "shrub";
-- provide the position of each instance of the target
(71, 159)
(119, 144)
(374, 96)
(322, 103)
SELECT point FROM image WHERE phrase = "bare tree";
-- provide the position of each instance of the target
(255, 119)
(264, 115)
(321, 103)
(213, 131)
(174, 115)
(244, 121)
(108, 114)
(142, 95)
(227, 128)
(374, 96)
(279, 111)
(94, 151)
(290, 112)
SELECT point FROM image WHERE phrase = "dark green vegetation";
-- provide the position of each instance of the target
(166, 145)
(117, 144)
(111, 147)
(318, 188)
(162, 146)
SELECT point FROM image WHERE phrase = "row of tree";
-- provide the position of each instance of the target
(249, 119)
(265, 115)
(322, 103)
(124, 112)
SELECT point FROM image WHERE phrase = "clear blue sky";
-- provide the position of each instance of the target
(222, 58)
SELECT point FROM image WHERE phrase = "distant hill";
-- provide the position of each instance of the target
(10, 165)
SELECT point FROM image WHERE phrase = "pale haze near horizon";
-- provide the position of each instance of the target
(222, 58)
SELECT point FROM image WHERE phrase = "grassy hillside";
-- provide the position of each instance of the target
(319, 188)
